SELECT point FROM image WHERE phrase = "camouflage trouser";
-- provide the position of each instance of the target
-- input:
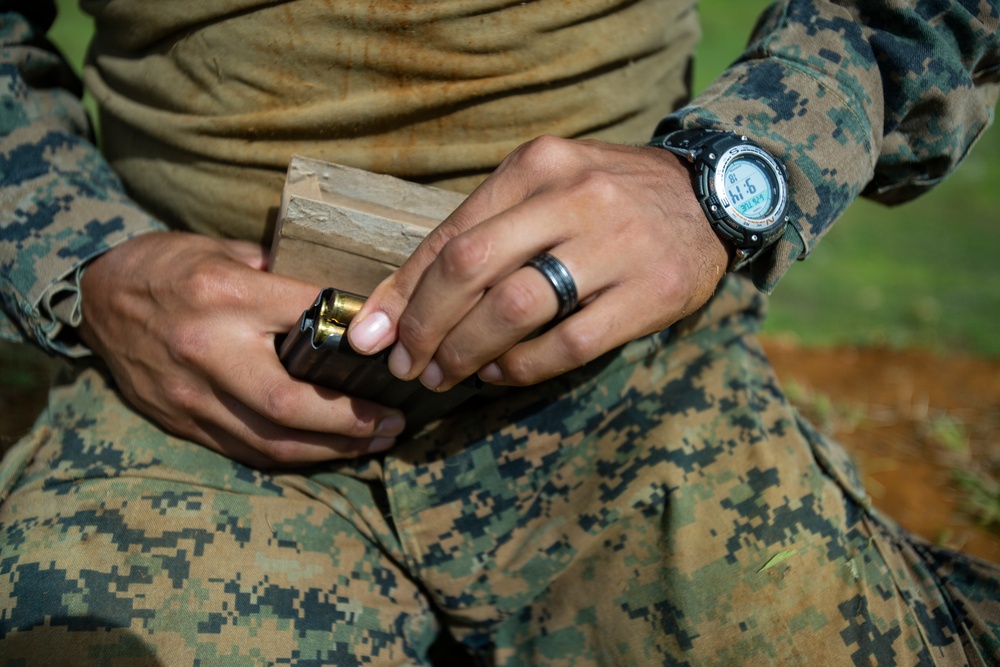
(663, 506)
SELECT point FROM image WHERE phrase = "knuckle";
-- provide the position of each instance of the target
(452, 361)
(182, 395)
(414, 333)
(581, 344)
(280, 404)
(541, 155)
(441, 236)
(671, 287)
(211, 284)
(203, 281)
(599, 188)
(464, 256)
(546, 149)
(359, 420)
(517, 369)
(434, 243)
(516, 304)
(357, 427)
(189, 343)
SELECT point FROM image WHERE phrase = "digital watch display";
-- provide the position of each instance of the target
(749, 189)
(741, 187)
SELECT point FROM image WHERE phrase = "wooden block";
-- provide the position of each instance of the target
(349, 228)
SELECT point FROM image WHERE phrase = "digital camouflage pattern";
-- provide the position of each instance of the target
(664, 505)
(877, 96)
(61, 204)
(857, 97)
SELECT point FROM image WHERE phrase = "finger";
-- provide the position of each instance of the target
(222, 422)
(276, 302)
(470, 263)
(509, 184)
(256, 442)
(594, 329)
(518, 305)
(252, 254)
(374, 327)
(285, 444)
(266, 389)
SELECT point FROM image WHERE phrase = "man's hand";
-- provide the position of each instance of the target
(624, 221)
(187, 326)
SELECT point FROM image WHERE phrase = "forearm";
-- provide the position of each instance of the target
(857, 98)
(60, 204)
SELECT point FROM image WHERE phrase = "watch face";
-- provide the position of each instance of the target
(750, 189)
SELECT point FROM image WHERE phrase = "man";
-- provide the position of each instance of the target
(643, 495)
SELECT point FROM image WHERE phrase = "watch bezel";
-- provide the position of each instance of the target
(746, 232)
(710, 152)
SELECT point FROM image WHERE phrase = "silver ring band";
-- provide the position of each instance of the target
(562, 282)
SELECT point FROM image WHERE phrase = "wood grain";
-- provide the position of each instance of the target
(350, 228)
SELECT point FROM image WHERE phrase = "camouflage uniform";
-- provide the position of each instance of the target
(663, 505)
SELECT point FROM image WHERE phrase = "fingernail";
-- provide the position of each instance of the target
(366, 334)
(432, 377)
(400, 362)
(491, 373)
(390, 426)
(380, 445)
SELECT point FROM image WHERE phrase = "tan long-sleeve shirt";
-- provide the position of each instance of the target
(205, 102)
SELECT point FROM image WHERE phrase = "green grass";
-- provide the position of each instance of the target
(919, 274)
(916, 275)
(71, 31)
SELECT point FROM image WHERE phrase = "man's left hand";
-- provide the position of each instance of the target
(623, 219)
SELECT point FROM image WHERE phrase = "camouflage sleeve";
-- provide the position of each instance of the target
(60, 203)
(880, 98)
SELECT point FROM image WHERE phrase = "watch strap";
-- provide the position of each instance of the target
(689, 144)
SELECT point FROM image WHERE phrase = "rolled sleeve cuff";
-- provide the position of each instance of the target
(62, 206)
(824, 139)
(52, 315)
(50, 310)
(59, 308)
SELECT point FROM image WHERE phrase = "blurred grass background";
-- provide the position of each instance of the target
(916, 275)
(919, 275)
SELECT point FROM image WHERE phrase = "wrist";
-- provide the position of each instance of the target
(710, 254)
(742, 189)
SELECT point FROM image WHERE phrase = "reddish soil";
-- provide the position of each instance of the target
(916, 422)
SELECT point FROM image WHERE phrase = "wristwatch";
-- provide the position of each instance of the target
(741, 187)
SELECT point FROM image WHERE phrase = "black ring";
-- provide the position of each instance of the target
(562, 282)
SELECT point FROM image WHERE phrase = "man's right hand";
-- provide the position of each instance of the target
(187, 326)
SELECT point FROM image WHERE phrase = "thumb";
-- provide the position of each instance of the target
(374, 327)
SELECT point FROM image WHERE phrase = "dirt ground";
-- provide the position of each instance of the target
(924, 428)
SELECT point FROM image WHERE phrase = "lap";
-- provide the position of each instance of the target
(669, 506)
(663, 505)
(688, 521)
(119, 540)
